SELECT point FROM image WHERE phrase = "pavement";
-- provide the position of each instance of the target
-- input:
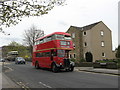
(8, 83)
(98, 70)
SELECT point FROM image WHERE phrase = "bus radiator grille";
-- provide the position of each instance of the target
(66, 62)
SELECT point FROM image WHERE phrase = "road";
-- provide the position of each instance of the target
(0, 75)
(29, 77)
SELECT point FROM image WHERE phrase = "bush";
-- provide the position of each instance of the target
(111, 65)
(108, 65)
(77, 64)
(28, 59)
(96, 65)
(82, 60)
(118, 62)
(118, 65)
(72, 59)
(84, 64)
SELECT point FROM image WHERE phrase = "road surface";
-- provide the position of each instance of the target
(27, 76)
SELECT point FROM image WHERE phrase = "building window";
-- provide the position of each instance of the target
(74, 55)
(70, 56)
(102, 43)
(101, 33)
(103, 54)
(85, 44)
(84, 33)
(74, 45)
(73, 35)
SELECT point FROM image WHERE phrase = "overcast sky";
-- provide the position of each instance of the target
(76, 13)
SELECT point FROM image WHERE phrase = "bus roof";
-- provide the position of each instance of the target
(62, 33)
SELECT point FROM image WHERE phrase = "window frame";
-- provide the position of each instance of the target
(74, 55)
(102, 43)
(102, 33)
(84, 33)
(103, 54)
(73, 35)
(85, 44)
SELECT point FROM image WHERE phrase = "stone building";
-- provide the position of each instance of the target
(93, 40)
(0, 52)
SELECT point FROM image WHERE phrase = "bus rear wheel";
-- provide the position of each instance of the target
(37, 65)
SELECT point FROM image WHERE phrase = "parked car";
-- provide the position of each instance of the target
(19, 60)
(2, 60)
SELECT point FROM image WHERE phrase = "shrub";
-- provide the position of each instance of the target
(82, 60)
(72, 59)
(111, 65)
(84, 64)
(28, 59)
(108, 65)
(118, 65)
(96, 65)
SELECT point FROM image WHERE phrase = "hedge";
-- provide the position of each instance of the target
(108, 65)
(84, 64)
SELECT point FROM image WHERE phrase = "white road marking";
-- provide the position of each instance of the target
(9, 68)
(45, 85)
(23, 85)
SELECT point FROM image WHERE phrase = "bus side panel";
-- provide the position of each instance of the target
(47, 62)
(37, 59)
(45, 45)
(41, 61)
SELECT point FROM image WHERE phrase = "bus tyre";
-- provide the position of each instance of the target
(71, 68)
(54, 68)
(37, 65)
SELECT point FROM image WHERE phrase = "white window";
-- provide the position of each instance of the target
(73, 35)
(103, 54)
(102, 43)
(101, 33)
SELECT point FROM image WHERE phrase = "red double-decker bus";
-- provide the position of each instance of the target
(52, 51)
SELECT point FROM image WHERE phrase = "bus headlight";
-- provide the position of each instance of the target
(60, 63)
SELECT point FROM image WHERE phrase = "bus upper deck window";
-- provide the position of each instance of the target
(67, 38)
(60, 37)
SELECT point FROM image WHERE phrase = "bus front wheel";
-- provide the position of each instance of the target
(54, 68)
(71, 69)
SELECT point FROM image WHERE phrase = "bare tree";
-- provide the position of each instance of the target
(12, 11)
(31, 34)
